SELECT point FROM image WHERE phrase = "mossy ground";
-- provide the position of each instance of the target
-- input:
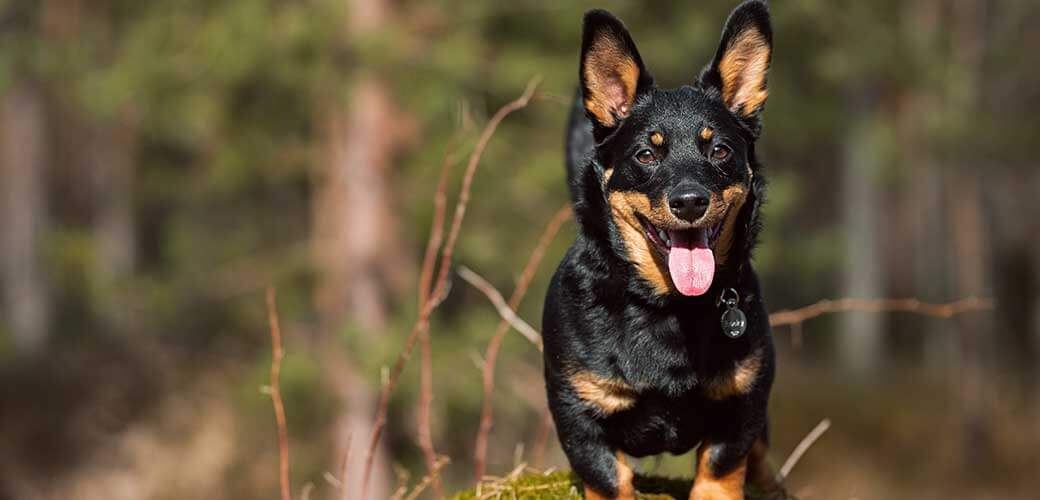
(567, 486)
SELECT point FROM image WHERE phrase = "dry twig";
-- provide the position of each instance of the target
(276, 395)
(798, 316)
(504, 310)
(542, 441)
(803, 447)
(423, 416)
(422, 323)
(430, 478)
(491, 355)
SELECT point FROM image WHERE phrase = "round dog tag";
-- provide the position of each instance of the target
(734, 323)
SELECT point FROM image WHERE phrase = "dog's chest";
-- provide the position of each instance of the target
(664, 354)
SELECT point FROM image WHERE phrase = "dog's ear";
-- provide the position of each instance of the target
(612, 73)
(739, 68)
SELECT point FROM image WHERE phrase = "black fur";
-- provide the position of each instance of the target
(602, 317)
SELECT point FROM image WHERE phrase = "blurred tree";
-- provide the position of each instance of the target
(23, 215)
(356, 239)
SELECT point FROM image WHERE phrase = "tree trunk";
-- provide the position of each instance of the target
(355, 246)
(860, 341)
(111, 171)
(23, 217)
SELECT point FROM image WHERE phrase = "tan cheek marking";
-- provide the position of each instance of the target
(738, 382)
(759, 473)
(656, 139)
(624, 206)
(743, 71)
(733, 197)
(608, 396)
(708, 486)
(707, 133)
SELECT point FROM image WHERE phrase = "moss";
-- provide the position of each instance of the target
(566, 486)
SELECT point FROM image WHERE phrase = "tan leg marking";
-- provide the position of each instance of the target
(737, 382)
(707, 486)
(626, 490)
(607, 396)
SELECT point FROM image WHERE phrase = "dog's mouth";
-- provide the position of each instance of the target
(688, 252)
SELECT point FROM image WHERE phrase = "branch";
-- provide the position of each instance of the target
(491, 355)
(422, 323)
(424, 424)
(803, 447)
(430, 478)
(276, 394)
(798, 316)
(504, 310)
(542, 441)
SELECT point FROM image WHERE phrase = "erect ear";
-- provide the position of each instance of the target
(742, 60)
(612, 73)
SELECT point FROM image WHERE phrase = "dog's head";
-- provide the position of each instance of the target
(676, 167)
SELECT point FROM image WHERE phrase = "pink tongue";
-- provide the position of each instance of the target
(690, 261)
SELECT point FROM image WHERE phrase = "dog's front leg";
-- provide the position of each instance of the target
(602, 468)
(606, 476)
(721, 471)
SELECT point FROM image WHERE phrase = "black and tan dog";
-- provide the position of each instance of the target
(656, 337)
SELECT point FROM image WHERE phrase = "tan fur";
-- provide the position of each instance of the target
(623, 207)
(626, 490)
(611, 76)
(732, 200)
(737, 382)
(708, 486)
(608, 396)
(657, 139)
(707, 133)
(743, 70)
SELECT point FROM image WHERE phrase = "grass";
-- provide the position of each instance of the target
(534, 485)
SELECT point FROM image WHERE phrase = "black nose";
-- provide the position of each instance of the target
(689, 202)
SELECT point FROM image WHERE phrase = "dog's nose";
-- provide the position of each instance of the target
(689, 202)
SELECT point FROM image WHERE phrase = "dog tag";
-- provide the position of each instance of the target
(734, 322)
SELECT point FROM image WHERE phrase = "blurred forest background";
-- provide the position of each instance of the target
(162, 163)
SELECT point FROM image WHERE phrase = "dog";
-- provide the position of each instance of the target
(656, 338)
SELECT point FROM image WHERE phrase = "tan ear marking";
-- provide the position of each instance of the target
(611, 76)
(743, 72)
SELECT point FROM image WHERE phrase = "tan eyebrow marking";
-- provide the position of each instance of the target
(656, 139)
(707, 133)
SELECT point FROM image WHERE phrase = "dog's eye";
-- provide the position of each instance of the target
(720, 152)
(645, 157)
